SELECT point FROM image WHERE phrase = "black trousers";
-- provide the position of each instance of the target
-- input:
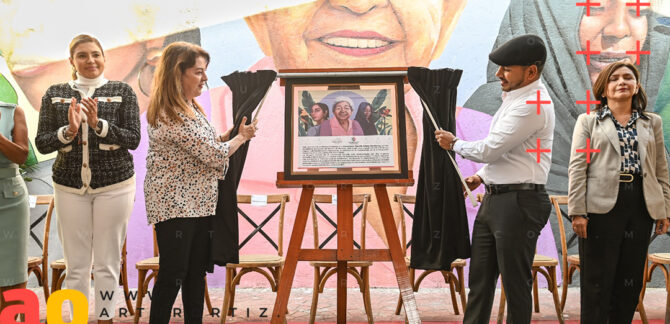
(184, 245)
(612, 258)
(504, 237)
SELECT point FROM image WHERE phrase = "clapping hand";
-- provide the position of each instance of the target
(74, 116)
(91, 110)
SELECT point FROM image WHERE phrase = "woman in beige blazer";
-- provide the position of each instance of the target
(618, 188)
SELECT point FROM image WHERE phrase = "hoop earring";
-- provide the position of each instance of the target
(139, 78)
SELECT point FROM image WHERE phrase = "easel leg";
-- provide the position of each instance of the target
(341, 292)
(345, 246)
(399, 266)
(281, 303)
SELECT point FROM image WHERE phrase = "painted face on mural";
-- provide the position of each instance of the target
(342, 110)
(367, 112)
(612, 28)
(317, 114)
(338, 33)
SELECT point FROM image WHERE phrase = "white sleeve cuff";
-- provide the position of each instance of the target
(482, 174)
(458, 146)
(105, 128)
(61, 137)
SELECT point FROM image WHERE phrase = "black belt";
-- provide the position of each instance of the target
(493, 189)
(628, 177)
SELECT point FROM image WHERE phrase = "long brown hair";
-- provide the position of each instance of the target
(167, 98)
(80, 39)
(600, 87)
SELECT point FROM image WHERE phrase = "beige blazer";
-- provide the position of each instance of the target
(593, 187)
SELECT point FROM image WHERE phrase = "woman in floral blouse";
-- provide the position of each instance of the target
(185, 160)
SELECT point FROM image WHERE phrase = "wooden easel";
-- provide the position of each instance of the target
(345, 247)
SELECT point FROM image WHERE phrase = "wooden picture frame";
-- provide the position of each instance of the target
(340, 147)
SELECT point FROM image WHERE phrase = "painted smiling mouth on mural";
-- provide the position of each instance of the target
(604, 59)
(357, 43)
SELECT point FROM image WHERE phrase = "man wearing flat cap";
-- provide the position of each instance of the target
(516, 205)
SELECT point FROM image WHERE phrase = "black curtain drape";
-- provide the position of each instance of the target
(248, 90)
(440, 229)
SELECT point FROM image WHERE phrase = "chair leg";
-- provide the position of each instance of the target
(225, 308)
(536, 294)
(640, 305)
(461, 287)
(448, 280)
(56, 277)
(399, 306)
(365, 274)
(233, 286)
(315, 294)
(564, 287)
(45, 288)
(141, 275)
(551, 282)
(208, 301)
(501, 307)
(126, 294)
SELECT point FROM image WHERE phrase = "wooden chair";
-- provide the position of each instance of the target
(325, 269)
(456, 282)
(661, 261)
(152, 264)
(268, 265)
(58, 276)
(547, 267)
(38, 265)
(571, 261)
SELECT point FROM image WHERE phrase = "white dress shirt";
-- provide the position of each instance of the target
(515, 128)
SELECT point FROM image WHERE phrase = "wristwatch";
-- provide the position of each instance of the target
(572, 217)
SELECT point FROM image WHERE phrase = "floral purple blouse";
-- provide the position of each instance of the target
(183, 165)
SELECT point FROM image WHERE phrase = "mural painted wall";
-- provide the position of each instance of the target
(329, 34)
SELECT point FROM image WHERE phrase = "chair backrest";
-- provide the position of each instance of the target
(403, 201)
(557, 201)
(361, 200)
(280, 201)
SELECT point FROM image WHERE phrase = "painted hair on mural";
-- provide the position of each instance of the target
(167, 100)
(78, 40)
(600, 86)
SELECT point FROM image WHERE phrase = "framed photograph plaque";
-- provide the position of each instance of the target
(344, 125)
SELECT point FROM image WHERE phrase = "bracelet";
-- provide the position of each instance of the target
(67, 136)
